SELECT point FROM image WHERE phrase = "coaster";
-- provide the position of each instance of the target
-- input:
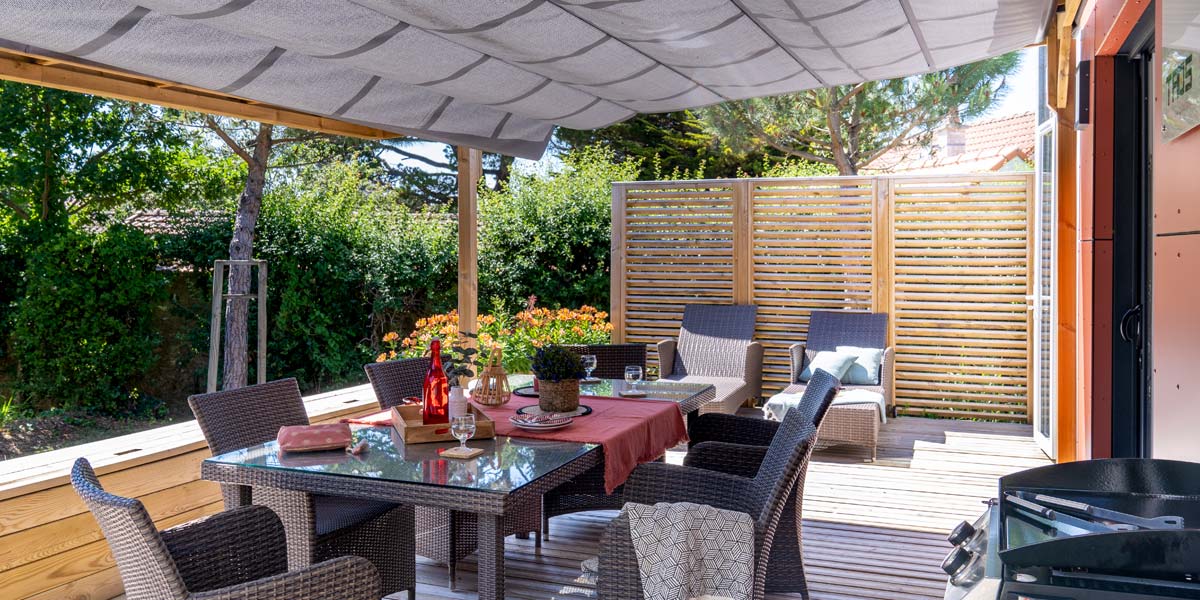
(534, 409)
(460, 452)
(631, 394)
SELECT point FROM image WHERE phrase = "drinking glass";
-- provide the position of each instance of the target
(462, 428)
(633, 374)
(589, 364)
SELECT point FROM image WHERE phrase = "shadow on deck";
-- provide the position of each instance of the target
(871, 530)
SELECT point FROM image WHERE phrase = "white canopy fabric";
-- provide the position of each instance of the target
(499, 74)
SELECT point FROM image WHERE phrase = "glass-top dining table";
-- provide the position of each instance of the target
(511, 472)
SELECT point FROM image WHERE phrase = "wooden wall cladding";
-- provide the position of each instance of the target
(948, 257)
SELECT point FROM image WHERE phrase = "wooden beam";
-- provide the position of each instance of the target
(1061, 58)
(470, 170)
(101, 81)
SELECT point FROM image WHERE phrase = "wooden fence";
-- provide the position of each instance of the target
(949, 258)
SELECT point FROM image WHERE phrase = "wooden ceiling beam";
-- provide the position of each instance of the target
(88, 79)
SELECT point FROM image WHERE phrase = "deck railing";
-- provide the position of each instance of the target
(949, 258)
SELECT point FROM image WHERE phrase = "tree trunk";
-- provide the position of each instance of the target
(241, 247)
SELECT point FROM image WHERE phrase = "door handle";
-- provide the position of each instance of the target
(1128, 318)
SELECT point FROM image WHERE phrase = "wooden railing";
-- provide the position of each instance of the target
(949, 258)
(50, 546)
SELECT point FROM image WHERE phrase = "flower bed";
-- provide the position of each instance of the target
(520, 335)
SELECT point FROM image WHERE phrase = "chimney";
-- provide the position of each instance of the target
(952, 140)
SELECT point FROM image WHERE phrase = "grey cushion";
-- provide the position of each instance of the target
(731, 392)
(866, 366)
(338, 512)
(834, 363)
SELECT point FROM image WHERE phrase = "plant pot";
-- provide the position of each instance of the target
(558, 396)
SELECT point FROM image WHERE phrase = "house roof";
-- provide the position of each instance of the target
(988, 146)
(499, 75)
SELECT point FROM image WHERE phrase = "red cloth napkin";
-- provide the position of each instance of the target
(379, 419)
(631, 432)
(310, 438)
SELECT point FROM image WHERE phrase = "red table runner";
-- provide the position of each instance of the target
(631, 432)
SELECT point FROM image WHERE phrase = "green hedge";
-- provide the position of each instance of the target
(84, 330)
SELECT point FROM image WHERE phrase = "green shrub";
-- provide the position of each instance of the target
(547, 234)
(345, 263)
(84, 330)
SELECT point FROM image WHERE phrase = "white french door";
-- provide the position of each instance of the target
(1044, 376)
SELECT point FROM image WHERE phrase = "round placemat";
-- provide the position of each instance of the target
(534, 409)
(525, 391)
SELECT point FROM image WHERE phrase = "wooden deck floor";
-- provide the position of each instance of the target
(871, 530)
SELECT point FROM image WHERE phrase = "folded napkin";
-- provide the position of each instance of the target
(379, 419)
(310, 438)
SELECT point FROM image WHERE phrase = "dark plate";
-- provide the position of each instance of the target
(525, 391)
(534, 409)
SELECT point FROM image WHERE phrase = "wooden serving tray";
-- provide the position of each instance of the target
(406, 419)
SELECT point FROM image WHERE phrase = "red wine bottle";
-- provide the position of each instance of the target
(436, 389)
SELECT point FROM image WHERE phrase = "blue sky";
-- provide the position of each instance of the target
(1021, 97)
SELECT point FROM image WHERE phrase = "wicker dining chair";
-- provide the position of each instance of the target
(716, 346)
(238, 554)
(442, 535)
(318, 527)
(611, 359)
(714, 433)
(765, 481)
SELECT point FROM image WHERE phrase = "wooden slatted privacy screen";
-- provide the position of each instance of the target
(948, 257)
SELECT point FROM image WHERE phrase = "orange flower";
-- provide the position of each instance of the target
(391, 337)
(382, 357)
(422, 323)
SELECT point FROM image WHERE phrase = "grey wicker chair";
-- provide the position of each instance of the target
(611, 359)
(712, 432)
(238, 554)
(850, 424)
(318, 527)
(443, 536)
(755, 480)
(716, 346)
(587, 492)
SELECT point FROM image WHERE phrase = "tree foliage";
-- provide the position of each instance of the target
(674, 144)
(850, 126)
(64, 153)
(547, 234)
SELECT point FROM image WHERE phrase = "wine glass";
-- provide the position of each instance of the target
(462, 428)
(633, 374)
(589, 364)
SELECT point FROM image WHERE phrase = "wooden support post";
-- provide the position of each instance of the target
(743, 242)
(616, 269)
(470, 170)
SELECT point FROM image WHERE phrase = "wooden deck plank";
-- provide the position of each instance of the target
(872, 531)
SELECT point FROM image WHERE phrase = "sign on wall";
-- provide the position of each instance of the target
(1180, 92)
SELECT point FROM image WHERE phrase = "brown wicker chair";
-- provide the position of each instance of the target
(587, 492)
(318, 527)
(443, 536)
(850, 424)
(239, 554)
(713, 432)
(611, 359)
(756, 480)
(716, 346)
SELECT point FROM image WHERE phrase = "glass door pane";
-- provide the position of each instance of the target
(1044, 375)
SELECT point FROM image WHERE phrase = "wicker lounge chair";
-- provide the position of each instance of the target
(443, 536)
(238, 554)
(318, 527)
(715, 346)
(785, 570)
(850, 424)
(766, 477)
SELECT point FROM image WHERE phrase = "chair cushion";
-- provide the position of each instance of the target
(834, 363)
(731, 392)
(339, 512)
(866, 366)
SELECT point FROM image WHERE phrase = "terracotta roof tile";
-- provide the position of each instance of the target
(989, 146)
